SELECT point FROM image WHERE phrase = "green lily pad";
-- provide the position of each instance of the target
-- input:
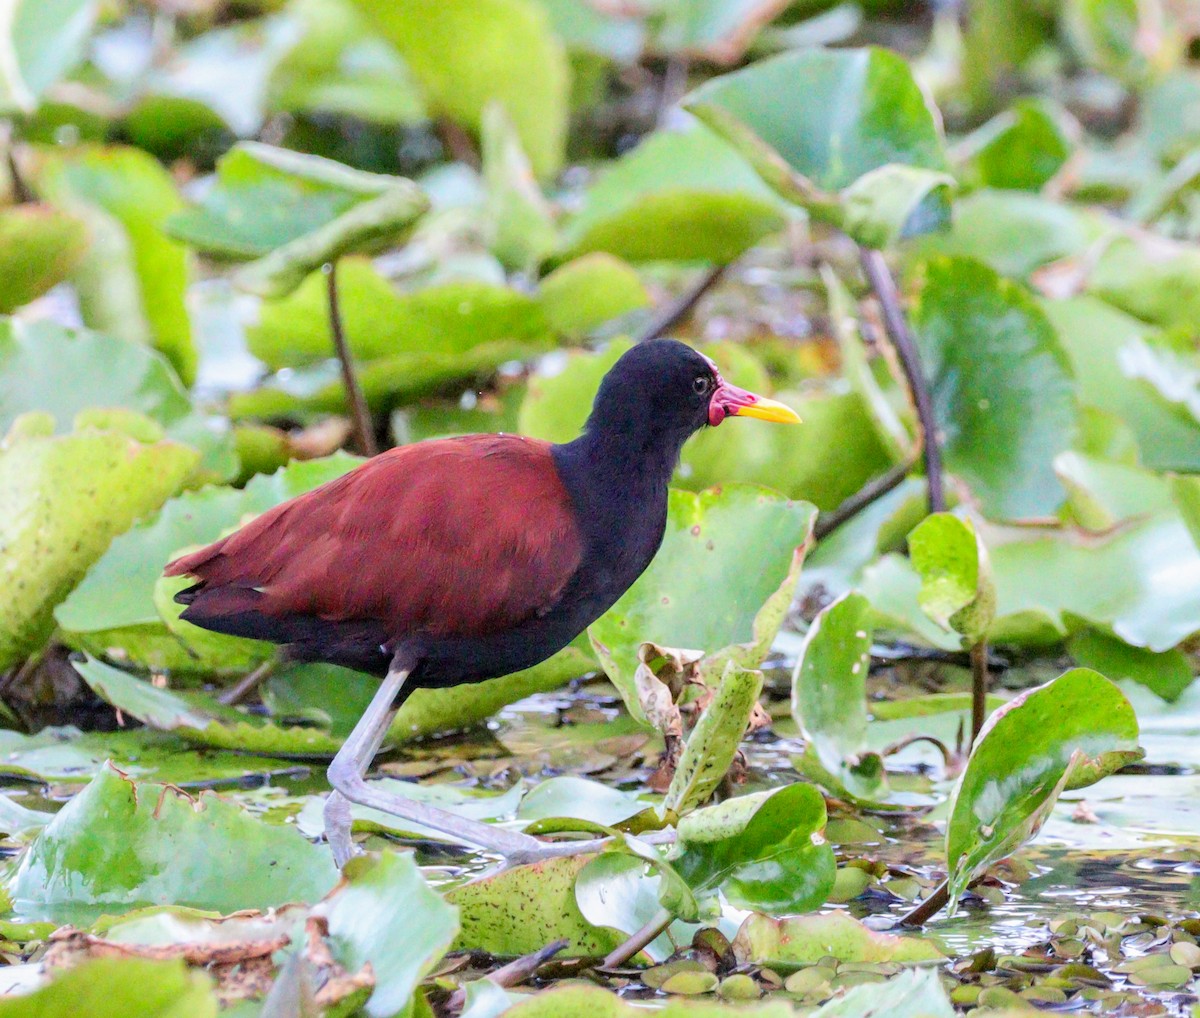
(677, 196)
(1068, 733)
(43, 42)
(700, 592)
(793, 941)
(468, 53)
(957, 590)
(48, 368)
(120, 988)
(1157, 283)
(118, 845)
(133, 280)
(569, 796)
(1002, 386)
(39, 246)
(521, 910)
(762, 851)
(62, 500)
(713, 742)
(1019, 149)
(1094, 335)
(112, 612)
(385, 914)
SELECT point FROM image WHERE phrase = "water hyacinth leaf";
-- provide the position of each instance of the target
(521, 910)
(119, 988)
(1014, 232)
(1186, 491)
(39, 246)
(67, 757)
(569, 796)
(847, 112)
(1101, 494)
(468, 53)
(1154, 279)
(1069, 733)
(520, 222)
(829, 696)
(133, 280)
(265, 198)
(1094, 335)
(777, 861)
(367, 226)
(895, 202)
(713, 742)
(46, 367)
(112, 612)
(118, 845)
(621, 892)
(698, 592)
(199, 718)
(713, 30)
(385, 914)
(42, 42)
(449, 318)
(957, 590)
(17, 820)
(339, 65)
(1002, 387)
(911, 994)
(1167, 673)
(794, 941)
(48, 535)
(683, 196)
(588, 292)
(1020, 149)
(582, 1001)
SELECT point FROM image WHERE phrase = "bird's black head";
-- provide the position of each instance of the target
(665, 391)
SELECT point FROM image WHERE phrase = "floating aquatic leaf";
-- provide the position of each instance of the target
(39, 246)
(118, 845)
(1019, 149)
(957, 590)
(1068, 733)
(119, 988)
(42, 43)
(698, 591)
(62, 500)
(804, 940)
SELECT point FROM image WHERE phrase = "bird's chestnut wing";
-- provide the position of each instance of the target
(457, 537)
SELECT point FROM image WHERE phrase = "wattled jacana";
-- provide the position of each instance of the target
(462, 559)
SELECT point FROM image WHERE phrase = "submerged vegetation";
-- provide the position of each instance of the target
(244, 243)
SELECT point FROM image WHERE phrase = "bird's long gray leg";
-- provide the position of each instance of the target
(351, 763)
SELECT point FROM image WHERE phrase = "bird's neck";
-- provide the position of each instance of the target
(619, 478)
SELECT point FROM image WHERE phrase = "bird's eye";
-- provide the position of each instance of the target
(701, 385)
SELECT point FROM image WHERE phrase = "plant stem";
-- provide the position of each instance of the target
(364, 434)
(684, 305)
(979, 687)
(646, 935)
(870, 492)
(247, 684)
(880, 277)
(512, 974)
(927, 909)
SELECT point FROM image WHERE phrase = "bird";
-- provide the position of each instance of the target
(460, 559)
